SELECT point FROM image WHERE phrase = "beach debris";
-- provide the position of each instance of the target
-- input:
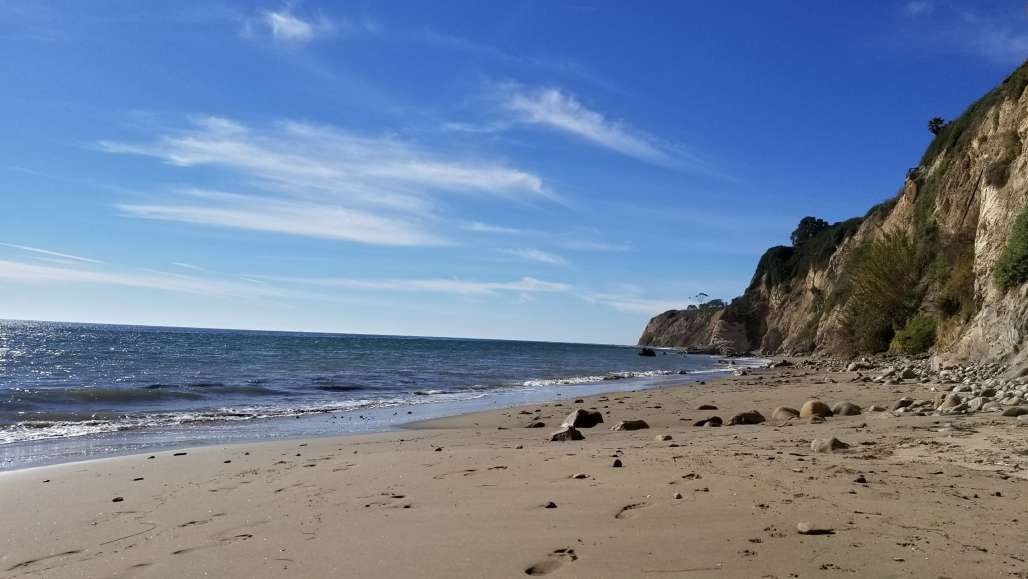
(582, 418)
(814, 407)
(630, 425)
(827, 444)
(706, 407)
(565, 434)
(662, 437)
(805, 528)
(748, 417)
(617, 463)
(784, 413)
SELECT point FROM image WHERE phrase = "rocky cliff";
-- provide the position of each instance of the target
(942, 266)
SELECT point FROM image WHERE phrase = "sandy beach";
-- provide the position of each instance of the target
(483, 496)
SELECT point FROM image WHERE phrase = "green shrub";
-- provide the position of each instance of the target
(882, 291)
(1012, 266)
(916, 337)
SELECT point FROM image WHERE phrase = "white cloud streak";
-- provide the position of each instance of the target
(47, 252)
(341, 185)
(536, 255)
(996, 35)
(287, 217)
(637, 305)
(435, 285)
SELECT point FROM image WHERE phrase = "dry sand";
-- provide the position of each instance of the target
(466, 496)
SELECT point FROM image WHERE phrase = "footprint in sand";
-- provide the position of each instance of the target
(626, 511)
(555, 561)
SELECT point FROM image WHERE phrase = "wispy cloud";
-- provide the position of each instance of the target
(559, 110)
(21, 272)
(435, 285)
(288, 217)
(479, 227)
(632, 304)
(599, 246)
(324, 181)
(188, 266)
(51, 253)
(996, 34)
(536, 255)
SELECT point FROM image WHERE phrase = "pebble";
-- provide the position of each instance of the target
(616, 463)
(813, 529)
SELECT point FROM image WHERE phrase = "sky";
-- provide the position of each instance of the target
(552, 170)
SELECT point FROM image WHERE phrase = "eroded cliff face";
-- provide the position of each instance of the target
(952, 219)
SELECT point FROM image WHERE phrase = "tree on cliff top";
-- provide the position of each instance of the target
(936, 125)
(808, 228)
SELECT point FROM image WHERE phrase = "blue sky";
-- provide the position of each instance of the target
(539, 170)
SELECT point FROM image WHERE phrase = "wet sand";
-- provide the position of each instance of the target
(468, 496)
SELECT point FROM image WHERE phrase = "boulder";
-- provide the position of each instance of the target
(814, 407)
(858, 366)
(748, 417)
(712, 421)
(565, 434)
(845, 409)
(583, 418)
(1015, 411)
(827, 444)
(902, 403)
(630, 425)
(649, 352)
(784, 413)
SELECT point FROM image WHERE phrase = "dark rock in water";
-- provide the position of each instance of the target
(712, 421)
(647, 352)
(583, 418)
(815, 408)
(565, 434)
(846, 409)
(1015, 411)
(749, 417)
(706, 407)
(630, 425)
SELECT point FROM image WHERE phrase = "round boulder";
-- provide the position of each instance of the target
(814, 407)
(784, 413)
(749, 417)
(583, 418)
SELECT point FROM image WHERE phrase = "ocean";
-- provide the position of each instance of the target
(72, 391)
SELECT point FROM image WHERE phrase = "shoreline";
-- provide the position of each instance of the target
(468, 495)
(55, 451)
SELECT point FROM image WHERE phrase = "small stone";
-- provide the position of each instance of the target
(748, 417)
(845, 409)
(536, 424)
(706, 407)
(813, 529)
(676, 496)
(630, 425)
(902, 403)
(663, 437)
(579, 476)
(438, 449)
(784, 413)
(875, 408)
(712, 421)
(117, 499)
(617, 463)
(814, 407)
(860, 480)
(550, 505)
(567, 433)
(583, 419)
(827, 444)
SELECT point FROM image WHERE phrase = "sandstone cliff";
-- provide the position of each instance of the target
(924, 260)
